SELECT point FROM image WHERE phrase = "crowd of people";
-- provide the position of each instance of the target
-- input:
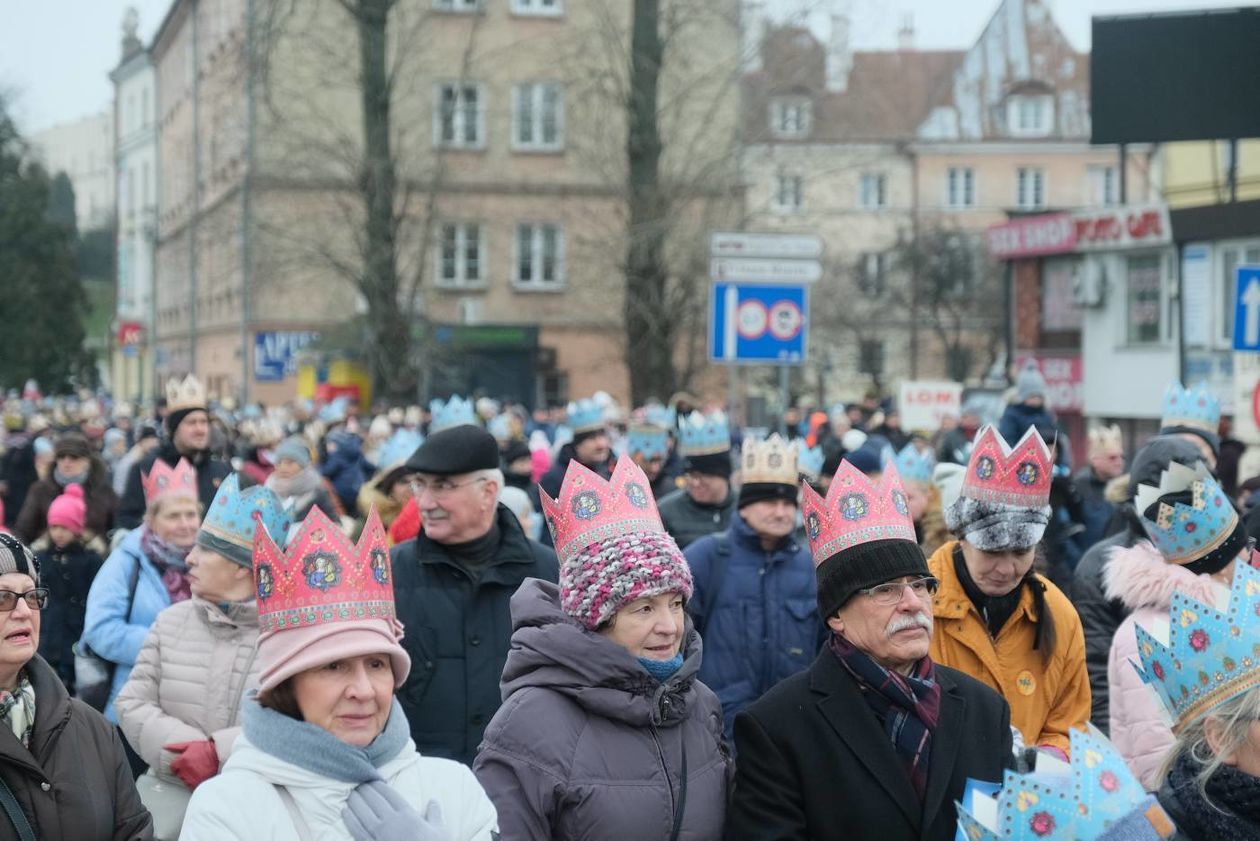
(473, 621)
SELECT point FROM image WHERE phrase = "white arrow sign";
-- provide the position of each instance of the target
(1251, 303)
(756, 270)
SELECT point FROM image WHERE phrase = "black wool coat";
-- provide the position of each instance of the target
(815, 764)
(211, 472)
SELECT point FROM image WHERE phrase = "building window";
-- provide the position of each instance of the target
(461, 255)
(457, 5)
(539, 255)
(541, 8)
(1059, 310)
(1030, 190)
(872, 191)
(1030, 116)
(871, 357)
(1104, 184)
(960, 187)
(145, 116)
(538, 117)
(460, 116)
(871, 268)
(1144, 305)
(790, 117)
(789, 193)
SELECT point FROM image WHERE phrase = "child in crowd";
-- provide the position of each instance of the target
(67, 568)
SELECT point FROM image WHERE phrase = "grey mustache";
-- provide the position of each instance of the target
(902, 623)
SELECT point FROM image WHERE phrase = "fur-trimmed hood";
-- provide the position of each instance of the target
(1140, 577)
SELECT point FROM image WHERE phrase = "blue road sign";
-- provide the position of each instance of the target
(1247, 308)
(275, 353)
(758, 323)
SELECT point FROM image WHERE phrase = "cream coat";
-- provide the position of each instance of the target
(188, 680)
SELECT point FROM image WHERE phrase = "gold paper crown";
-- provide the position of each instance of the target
(189, 394)
(1103, 439)
(772, 461)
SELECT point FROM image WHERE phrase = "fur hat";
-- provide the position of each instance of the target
(1003, 503)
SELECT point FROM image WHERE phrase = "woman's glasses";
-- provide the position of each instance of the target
(35, 599)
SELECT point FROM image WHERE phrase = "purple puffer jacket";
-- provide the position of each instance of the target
(588, 746)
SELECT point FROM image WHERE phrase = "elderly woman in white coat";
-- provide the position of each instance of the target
(325, 750)
(180, 707)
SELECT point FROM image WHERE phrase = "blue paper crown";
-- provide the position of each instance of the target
(914, 466)
(399, 447)
(809, 460)
(704, 435)
(1183, 533)
(1099, 800)
(585, 416)
(1196, 408)
(234, 513)
(647, 442)
(662, 416)
(1211, 656)
(454, 412)
(500, 426)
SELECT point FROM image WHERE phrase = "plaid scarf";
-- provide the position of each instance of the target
(17, 709)
(908, 707)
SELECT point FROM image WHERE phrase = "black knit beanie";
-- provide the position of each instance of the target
(714, 464)
(866, 565)
(586, 435)
(762, 491)
(175, 418)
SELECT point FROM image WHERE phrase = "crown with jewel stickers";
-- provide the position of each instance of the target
(591, 509)
(855, 511)
(187, 393)
(1018, 476)
(166, 482)
(914, 466)
(704, 435)
(585, 416)
(234, 514)
(772, 461)
(1211, 656)
(647, 442)
(1183, 533)
(399, 447)
(500, 426)
(1194, 408)
(658, 415)
(451, 413)
(323, 576)
(1098, 801)
(809, 460)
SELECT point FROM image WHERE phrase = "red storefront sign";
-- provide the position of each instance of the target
(1065, 380)
(130, 334)
(1033, 236)
(1101, 229)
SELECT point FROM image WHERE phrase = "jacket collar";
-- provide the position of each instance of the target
(52, 711)
(745, 536)
(515, 550)
(951, 600)
(237, 615)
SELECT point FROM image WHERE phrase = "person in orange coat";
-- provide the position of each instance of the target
(997, 619)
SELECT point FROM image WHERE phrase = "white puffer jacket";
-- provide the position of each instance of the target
(188, 680)
(243, 804)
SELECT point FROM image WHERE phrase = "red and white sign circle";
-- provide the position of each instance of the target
(750, 319)
(785, 320)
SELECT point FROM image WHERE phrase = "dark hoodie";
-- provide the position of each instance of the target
(552, 480)
(588, 745)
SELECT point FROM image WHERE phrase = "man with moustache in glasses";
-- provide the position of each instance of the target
(874, 740)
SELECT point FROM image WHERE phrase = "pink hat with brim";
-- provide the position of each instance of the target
(284, 654)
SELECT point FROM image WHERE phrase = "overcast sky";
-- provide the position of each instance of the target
(55, 54)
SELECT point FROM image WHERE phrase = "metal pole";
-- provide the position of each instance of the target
(732, 395)
(191, 224)
(785, 397)
(1124, 174)
(247, 202)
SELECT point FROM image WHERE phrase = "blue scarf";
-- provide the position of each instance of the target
(662, 670)
(314, 749)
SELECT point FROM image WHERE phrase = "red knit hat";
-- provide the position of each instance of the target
(69, 510)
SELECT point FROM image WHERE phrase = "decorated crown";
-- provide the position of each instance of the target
(500, 426)
(914, 466)
(164, 482)
(856, 511)
(454, 412)
(1104, 439)
(591, 509)
(322, 576)
(188, 393)
(1196, 408)
(585, 416)
(1100, 796)
(1018, 476)
(399, 447)
(1210, 656)
(773, 461)
(647, 442)
(1182, 533)
(809, 460)
(704, 435)
(233, 514)
(662, 416)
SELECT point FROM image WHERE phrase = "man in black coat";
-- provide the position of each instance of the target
(874, 740)
(452, 588)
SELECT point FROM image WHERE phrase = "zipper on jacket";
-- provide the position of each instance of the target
(669, 783)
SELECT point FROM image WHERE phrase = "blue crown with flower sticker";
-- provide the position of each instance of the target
(809, 460)
(658, 415)
(451, 413)
(399, 447)
(585, 416)
(1195, 408)
(648, 442)
(1098, 801)
(914, 466)
(1183, 532)
(704, 435)
(1211, 656)
(234, 514)
(500, 426)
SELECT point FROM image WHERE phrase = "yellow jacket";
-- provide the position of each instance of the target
(1048, 698)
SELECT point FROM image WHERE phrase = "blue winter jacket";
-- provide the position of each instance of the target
(346, 468)
(115, 626)
(764, 625)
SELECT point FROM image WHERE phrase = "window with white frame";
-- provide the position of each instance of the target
(461, 254)
(789, 193)
(872, 191)
(539, 255)
(1233, 255)
(871, 268)
(460, 115)
(960, 187)
(1030, 115)
(1104, 184)
(1144, 303)
(541, 8)
(791, 117)
(538, 116)
(1030, 188)
(457, 5)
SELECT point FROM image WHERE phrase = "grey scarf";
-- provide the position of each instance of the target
(305, 482)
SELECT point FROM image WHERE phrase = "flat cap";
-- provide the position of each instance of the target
(459, 449)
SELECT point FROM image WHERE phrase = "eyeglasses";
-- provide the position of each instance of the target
(440, 487)
(35, 599)
(887, 594)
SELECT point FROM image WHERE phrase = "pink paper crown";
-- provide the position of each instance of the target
(856, 511)
(163, 481)
(322, 576)
(1018, 476)
(591, 509)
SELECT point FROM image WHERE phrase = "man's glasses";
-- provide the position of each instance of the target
(888, 594)
(35, 599)
(440, 487)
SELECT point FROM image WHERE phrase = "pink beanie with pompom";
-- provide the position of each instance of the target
(69, 510)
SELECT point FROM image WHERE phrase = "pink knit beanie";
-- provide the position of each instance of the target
(69, 510)
(606, 576)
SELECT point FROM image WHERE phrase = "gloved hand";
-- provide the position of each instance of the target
(375, 812)
(197, 761)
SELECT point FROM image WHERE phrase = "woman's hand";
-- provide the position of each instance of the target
(197, 762)
(375, 812)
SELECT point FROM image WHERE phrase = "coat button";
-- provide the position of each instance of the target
(474, 641)
(46, 786)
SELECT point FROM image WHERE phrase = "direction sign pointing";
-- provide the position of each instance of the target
(781, 246)
(764, 271)
(1251, 303)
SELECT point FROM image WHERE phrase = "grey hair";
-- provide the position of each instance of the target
(1235, 717)
(493, 474)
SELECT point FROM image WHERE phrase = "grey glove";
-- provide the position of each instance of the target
(375, 812)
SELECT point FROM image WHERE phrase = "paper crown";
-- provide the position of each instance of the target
(585, 416)
(234, 514)
(1210, 656)
(914, 466)
(322, 576)
(500, 426)
(647, 442)
(704, 435)
(809, 460)
(1099, 797)
(1103, 439)
(662, 416)
(188, 393)
(450, 413)
(591, 509)
(773, 461)
(856, 511)
(1183, 533)
(166, 482)
(1196, 408)
(398, 447)
(1018, 476)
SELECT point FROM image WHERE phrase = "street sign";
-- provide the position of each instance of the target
(758, 323)
(275, 353)
(1247, 309)
(762, 270)
(778, 246)
(924, 403)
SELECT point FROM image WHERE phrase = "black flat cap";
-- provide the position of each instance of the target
(460, 449)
